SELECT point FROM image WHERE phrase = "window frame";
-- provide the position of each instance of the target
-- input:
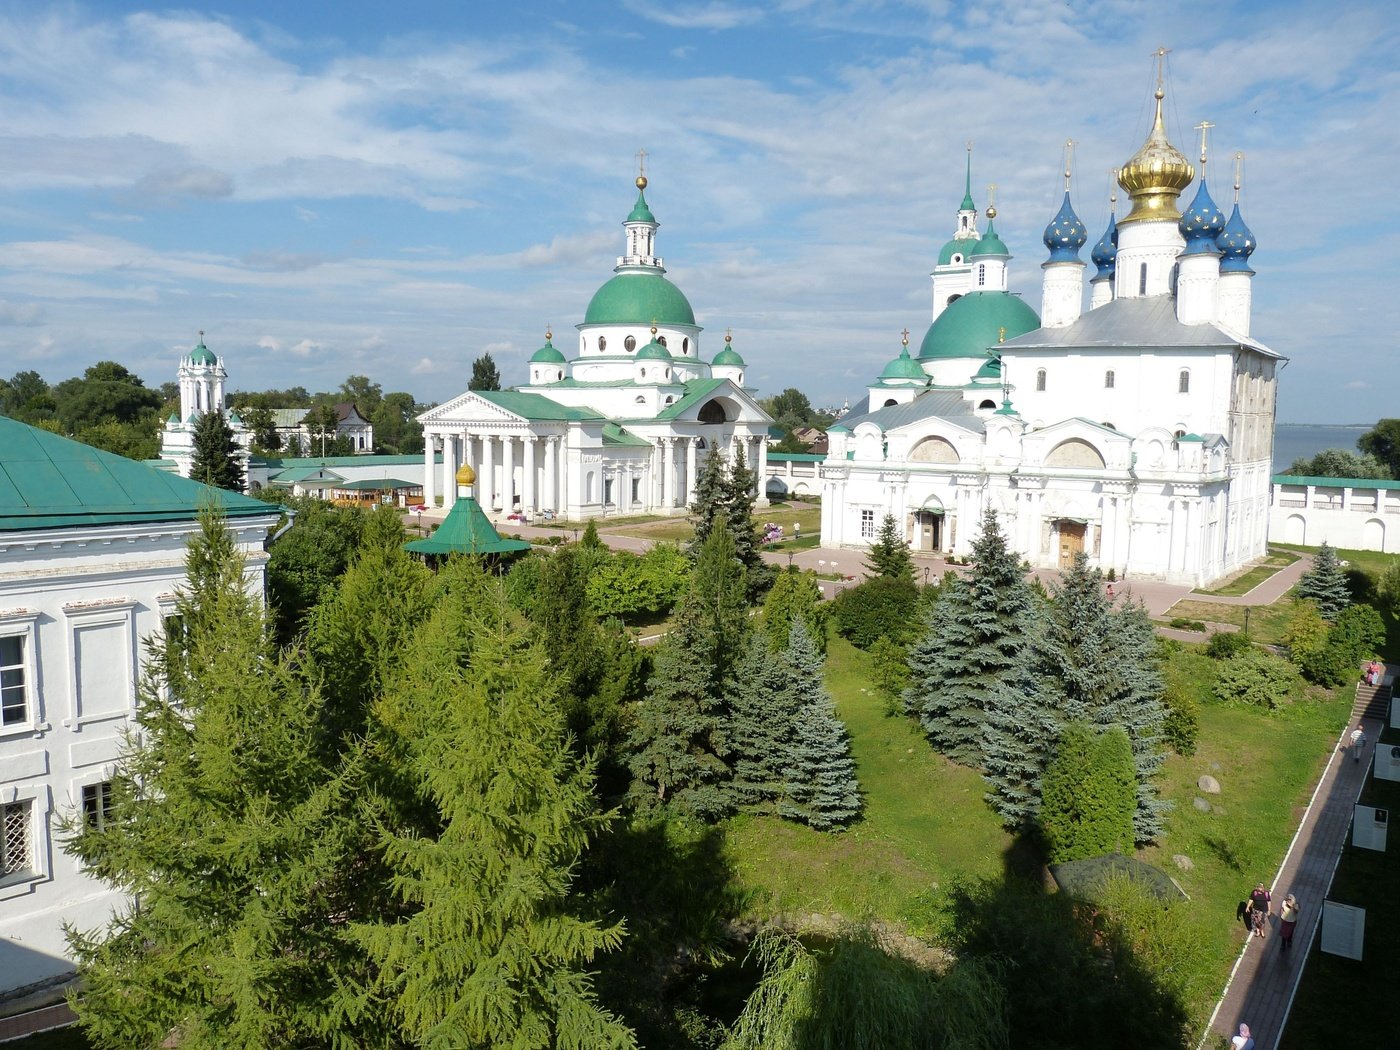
(38, 804)
(1110, 379)
(22, 624)
(1183, 381)
(1041, 380)
(867, 524)
(96, 807)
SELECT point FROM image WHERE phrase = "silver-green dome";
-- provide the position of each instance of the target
(643, 298)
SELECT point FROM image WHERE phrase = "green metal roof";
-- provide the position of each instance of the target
(728, 356)
(613, 434)
(1335, 483)
(796, 457)
(309, 472)
(991, 369)
(904, 367)
(639, 298)
(379, 484)
(973, 322)
(47, 481)
(547, 355)
(957, 244)
(465, 530)
(535, 407)
(347, 461)
(640, 212)
(696, 390)
(653, 351)
(202, 355)
(990, 244)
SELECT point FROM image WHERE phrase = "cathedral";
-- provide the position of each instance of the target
(619, 427)
(1139, 431)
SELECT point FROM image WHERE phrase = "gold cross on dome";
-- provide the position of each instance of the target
(1204, 128)
(905, 333)
(1161, 55)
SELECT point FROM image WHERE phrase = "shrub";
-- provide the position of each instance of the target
(889, 673)
(1224, 644)
(1181, 623)
(881, 606)
(1255, 677)
(1089, 794)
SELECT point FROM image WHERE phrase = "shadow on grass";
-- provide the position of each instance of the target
(1223, 852)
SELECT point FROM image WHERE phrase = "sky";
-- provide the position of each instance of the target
(355, 187)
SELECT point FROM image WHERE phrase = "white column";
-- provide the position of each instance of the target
(486, 480)
(449, 471)
(761, 469)
(527, 487)
(654, 482)
(551, 474)
(429, 467)
(691, 456)
(507, 474)
(668, 474)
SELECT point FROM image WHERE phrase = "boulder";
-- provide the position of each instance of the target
(1209, 785)
(1201, 804)
(1183, 862)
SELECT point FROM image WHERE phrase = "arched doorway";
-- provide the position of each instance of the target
(928, 525)
(1071, 536)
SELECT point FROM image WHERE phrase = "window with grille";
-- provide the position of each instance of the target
(1040, 379)
(982, 274)
(867, 524)
(1183, 382)
(1108, 379)
(97, 804)
(15, 856)
(14, 707)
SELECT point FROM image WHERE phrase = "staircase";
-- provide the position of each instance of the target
(1372, 701)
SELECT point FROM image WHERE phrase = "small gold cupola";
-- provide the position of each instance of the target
(1157, 173)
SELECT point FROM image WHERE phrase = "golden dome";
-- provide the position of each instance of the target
(1155, 176)
(466, 476)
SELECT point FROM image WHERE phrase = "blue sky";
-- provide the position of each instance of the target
(329, 188)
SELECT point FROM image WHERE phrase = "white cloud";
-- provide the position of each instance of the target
(713, 15)
(21, 314)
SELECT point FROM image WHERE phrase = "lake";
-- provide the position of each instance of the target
(1295, 440)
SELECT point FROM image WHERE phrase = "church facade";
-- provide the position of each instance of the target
(1139, 431)
(621, 426)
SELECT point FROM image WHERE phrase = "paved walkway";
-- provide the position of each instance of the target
(35, 1021)
(1263, 982)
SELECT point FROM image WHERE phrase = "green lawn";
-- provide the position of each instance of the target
(1252, 578)
(1266, 622)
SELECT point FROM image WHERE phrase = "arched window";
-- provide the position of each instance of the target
(629, 344)
(988, 404)
(952, 299)
(1176, 438)
(981, 274)
(890, 403)
(667, 374)
(602, 343)
(1040, 379)
(1108, 379)
(1142, 279)
(661, 339)
(644, 373)
(685, 346)
(1183, 381)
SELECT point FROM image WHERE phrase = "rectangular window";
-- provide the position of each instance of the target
(97, 804)
(1142, 279)
(1183, 382)
(14, 706)
(16, 857)
(1108, 380)
(867, 524)
(1040, 379)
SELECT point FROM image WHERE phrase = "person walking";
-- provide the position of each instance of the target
(1288, 919)
(1259, 909)
(1243, 1041)
(1358, 742)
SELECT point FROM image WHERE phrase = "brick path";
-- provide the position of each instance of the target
(1261, 986)
(35, 1021)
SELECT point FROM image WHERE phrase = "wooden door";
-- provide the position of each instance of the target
(1071, 542)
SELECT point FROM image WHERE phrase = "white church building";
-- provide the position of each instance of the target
(1139, 431)
(620, 427)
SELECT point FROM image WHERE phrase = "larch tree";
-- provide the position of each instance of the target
(215, 460)
(1089, 794)
(795, 595)
(1325, 584)
(974, 637)
(821, 788)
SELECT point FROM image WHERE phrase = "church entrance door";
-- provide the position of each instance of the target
(1071, 541)
(928, 531)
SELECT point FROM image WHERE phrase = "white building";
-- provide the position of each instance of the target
(621, 427)
(1351, 513)
(92, 551)
(201, 375)
(1139, 431)
(350, 424)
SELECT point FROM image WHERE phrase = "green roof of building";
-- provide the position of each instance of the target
(904, 367)
(728, 356)
(644, 298)
(990, 244)
(547, 355)
(535, 407)
(48, 481)
(953, 247)
(379, 485)
(653, 351)
(973, 323)
(640, 212)
(613, 434)
(202, 355)
(307, 472)
(346, 461)
(991, 369)
(465, 530)
(1334, 483)
(696, 390)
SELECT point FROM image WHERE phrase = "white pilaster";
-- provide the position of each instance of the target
(429, 469)
(760, 468)
(527, 487)
(449, 471)
(668, 473)
(486, 491)
(507, 475)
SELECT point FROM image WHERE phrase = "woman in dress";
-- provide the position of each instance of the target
(1288, 919)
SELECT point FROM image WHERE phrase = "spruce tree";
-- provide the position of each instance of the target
(215, 459)
(974, 637)
(1325, 584)
(233, 832)
(762, 727)
(485, 950)
(710, 496)
(740, 493)
(485, 374)
(889, 555)
(821, 788)
(717, 603)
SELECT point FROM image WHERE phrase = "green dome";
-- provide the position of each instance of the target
(639, 298)
(728, 356)
(201, 355)
(990, 244)
(957, 244)
(973, 322)
(547, 355)
(904, 367)
(653, 351)
(991, 369)
(640, 212)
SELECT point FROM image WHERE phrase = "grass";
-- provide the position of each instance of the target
(1266, 622)
(1366, 878)
(808, 516)
(1251, 578)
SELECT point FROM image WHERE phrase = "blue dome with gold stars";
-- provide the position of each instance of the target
(1202, 223)
(1236, 244)
(1105, 253)
(1065, 235)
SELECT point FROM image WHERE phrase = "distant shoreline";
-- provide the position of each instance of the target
(1329, 426)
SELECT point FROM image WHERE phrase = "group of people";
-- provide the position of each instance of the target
(1256, 913)
(1375, 671)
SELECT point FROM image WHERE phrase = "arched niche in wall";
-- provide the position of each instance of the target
(1075, 454)
(934, 450)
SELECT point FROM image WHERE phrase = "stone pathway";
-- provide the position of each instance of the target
(1264, 979)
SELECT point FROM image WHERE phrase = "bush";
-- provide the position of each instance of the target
(1089, 794)
(889, 673)
(881, 606)
(1181, 623)
(1224, 644)
(1255, 677)
(625, 584)
(1182, 725)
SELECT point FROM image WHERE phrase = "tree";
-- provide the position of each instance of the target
(227, 826)
(1339, 463)
(215, 461)
(263, 425)
(821, 788)
(26, 397)
(485, 951)
(365, 395)
(762, 721)
(880, 607)
(974, 637)
(396, 428)
(889, 554)
(725, 495)
(133, 440)
(795, 595)
(485, 375)
(708, 507)
(1388, 586)
(323, 425)
(1325, 584)
(1383, 442)
(309, 558)
(1089, 797)
(107, 392)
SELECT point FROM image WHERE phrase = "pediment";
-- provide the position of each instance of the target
(469, 407)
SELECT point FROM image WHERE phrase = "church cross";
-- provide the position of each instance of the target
(905, 333)
(642, 162)
(1204, 128)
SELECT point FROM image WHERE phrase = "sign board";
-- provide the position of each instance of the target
(1368, 826)
(1387, 764)
(1343, 929)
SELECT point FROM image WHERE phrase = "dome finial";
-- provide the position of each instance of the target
(991, 201)
(728, 335)
(1069, 162)
(1113, 174)
(1239, 173)
(1204, 128)
(905, 334)
(641, 169)
(549, 333)
(1157, 173)
(1161, 55)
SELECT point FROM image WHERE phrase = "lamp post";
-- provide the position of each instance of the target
(789, 559)
(1246, 621)
(925, 575)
